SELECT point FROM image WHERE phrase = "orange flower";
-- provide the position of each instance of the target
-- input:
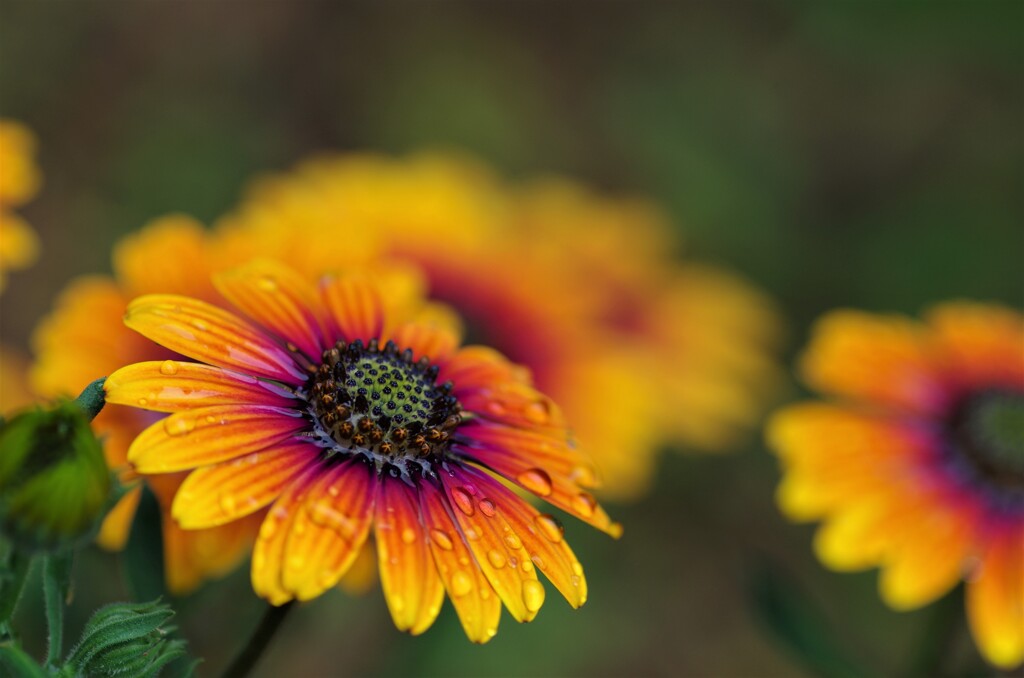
(352, 408)
(919, 469)
(19, 181)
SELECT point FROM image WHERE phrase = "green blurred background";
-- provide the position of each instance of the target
(864, 154)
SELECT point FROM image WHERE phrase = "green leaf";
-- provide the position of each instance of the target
(143, 557)
(16, 664)
(12, 581)
(797, 624)
(56, 586)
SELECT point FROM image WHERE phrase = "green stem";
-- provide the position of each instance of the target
(56, 584)
(93, 398)
(18, 565)
(271, 622)
(944, 624)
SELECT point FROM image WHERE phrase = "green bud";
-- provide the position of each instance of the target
(54, 482)
(126, 639)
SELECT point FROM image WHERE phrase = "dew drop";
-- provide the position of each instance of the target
(536, 480)
(267, 284)
(577, 568)
(584, 504)
(583, 475)
(462, 500)
(325, 515)
(143, 402)
(268, 528)
(550, 527)
(513, 541)
(496, 408)
(397, 603)
(538, 561)
(472, 534)
(169, 367)
(461, 584)
(179, 426)
(533, 595)
(496, 559)
(527, 566)
(487, 507)
(538, 412)
(464, 561)
(228, 503)
(408, 535)
(441, 538)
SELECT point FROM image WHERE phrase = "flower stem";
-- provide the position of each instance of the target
(261, 637)
(56, 583)
(18, 565)
(93, 398)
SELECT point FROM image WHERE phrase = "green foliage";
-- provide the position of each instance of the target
(130, 639)
(16, 664)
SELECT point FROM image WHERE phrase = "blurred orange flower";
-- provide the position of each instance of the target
(19, 181)
(919, 467)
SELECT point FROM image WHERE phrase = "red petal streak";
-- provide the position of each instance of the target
(355, 307)
(209, 334)
(209, 435)
(412, 586)
(329, 529)
(497, 549)
(174, 386)
(478, 607)
(279, 299)
(541, 535)
(218, 494)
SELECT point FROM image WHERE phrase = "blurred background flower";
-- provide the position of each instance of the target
(860, 155)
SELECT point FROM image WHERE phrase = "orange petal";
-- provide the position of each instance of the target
(193, 556)
(174, 386)
(117, 523)
(516, 405)
(211, 335)
(479, 367)
(150, 260)
(269, 554)
(476, 604)
(279, 299)
(541, 536)
(497, 548)
(209, 435)
(426, 340)
(995, 600)
(880, 359)
(329, 529)
(354, 304)
(981, 342)
(412, 587)
(218, 494)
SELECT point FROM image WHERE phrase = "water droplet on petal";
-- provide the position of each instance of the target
(143, 402)
(495, 557)
(496, 408)
(463, 501)
(408, 535)
(461, 584)
(168, 367)
(268, 528)
(538, 412)
(527, 566)
(472, 534)
(267, 284)
(179, 426)
(397, 603)
(228, 503)
(550, 527)
(577, 568)
(464, 561)
(325, 515)
(441, 538)
(533, 595)
(535, 480)
(538, 560)
(584, 504)
(583, 475)
(513, 541)
(487, 507)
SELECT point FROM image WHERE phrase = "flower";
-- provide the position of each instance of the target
(918, 468)
(19, 181)
(54, 484)
(584, 290)
(352, 408)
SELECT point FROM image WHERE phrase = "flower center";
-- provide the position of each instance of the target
(379, 403)
(989, 428)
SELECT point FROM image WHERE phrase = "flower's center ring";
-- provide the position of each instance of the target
(989, 429)
(381, 404)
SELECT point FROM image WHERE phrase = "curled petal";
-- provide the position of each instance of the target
(211, 335)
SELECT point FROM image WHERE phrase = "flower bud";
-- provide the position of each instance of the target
(126, 639)
(54, 483)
